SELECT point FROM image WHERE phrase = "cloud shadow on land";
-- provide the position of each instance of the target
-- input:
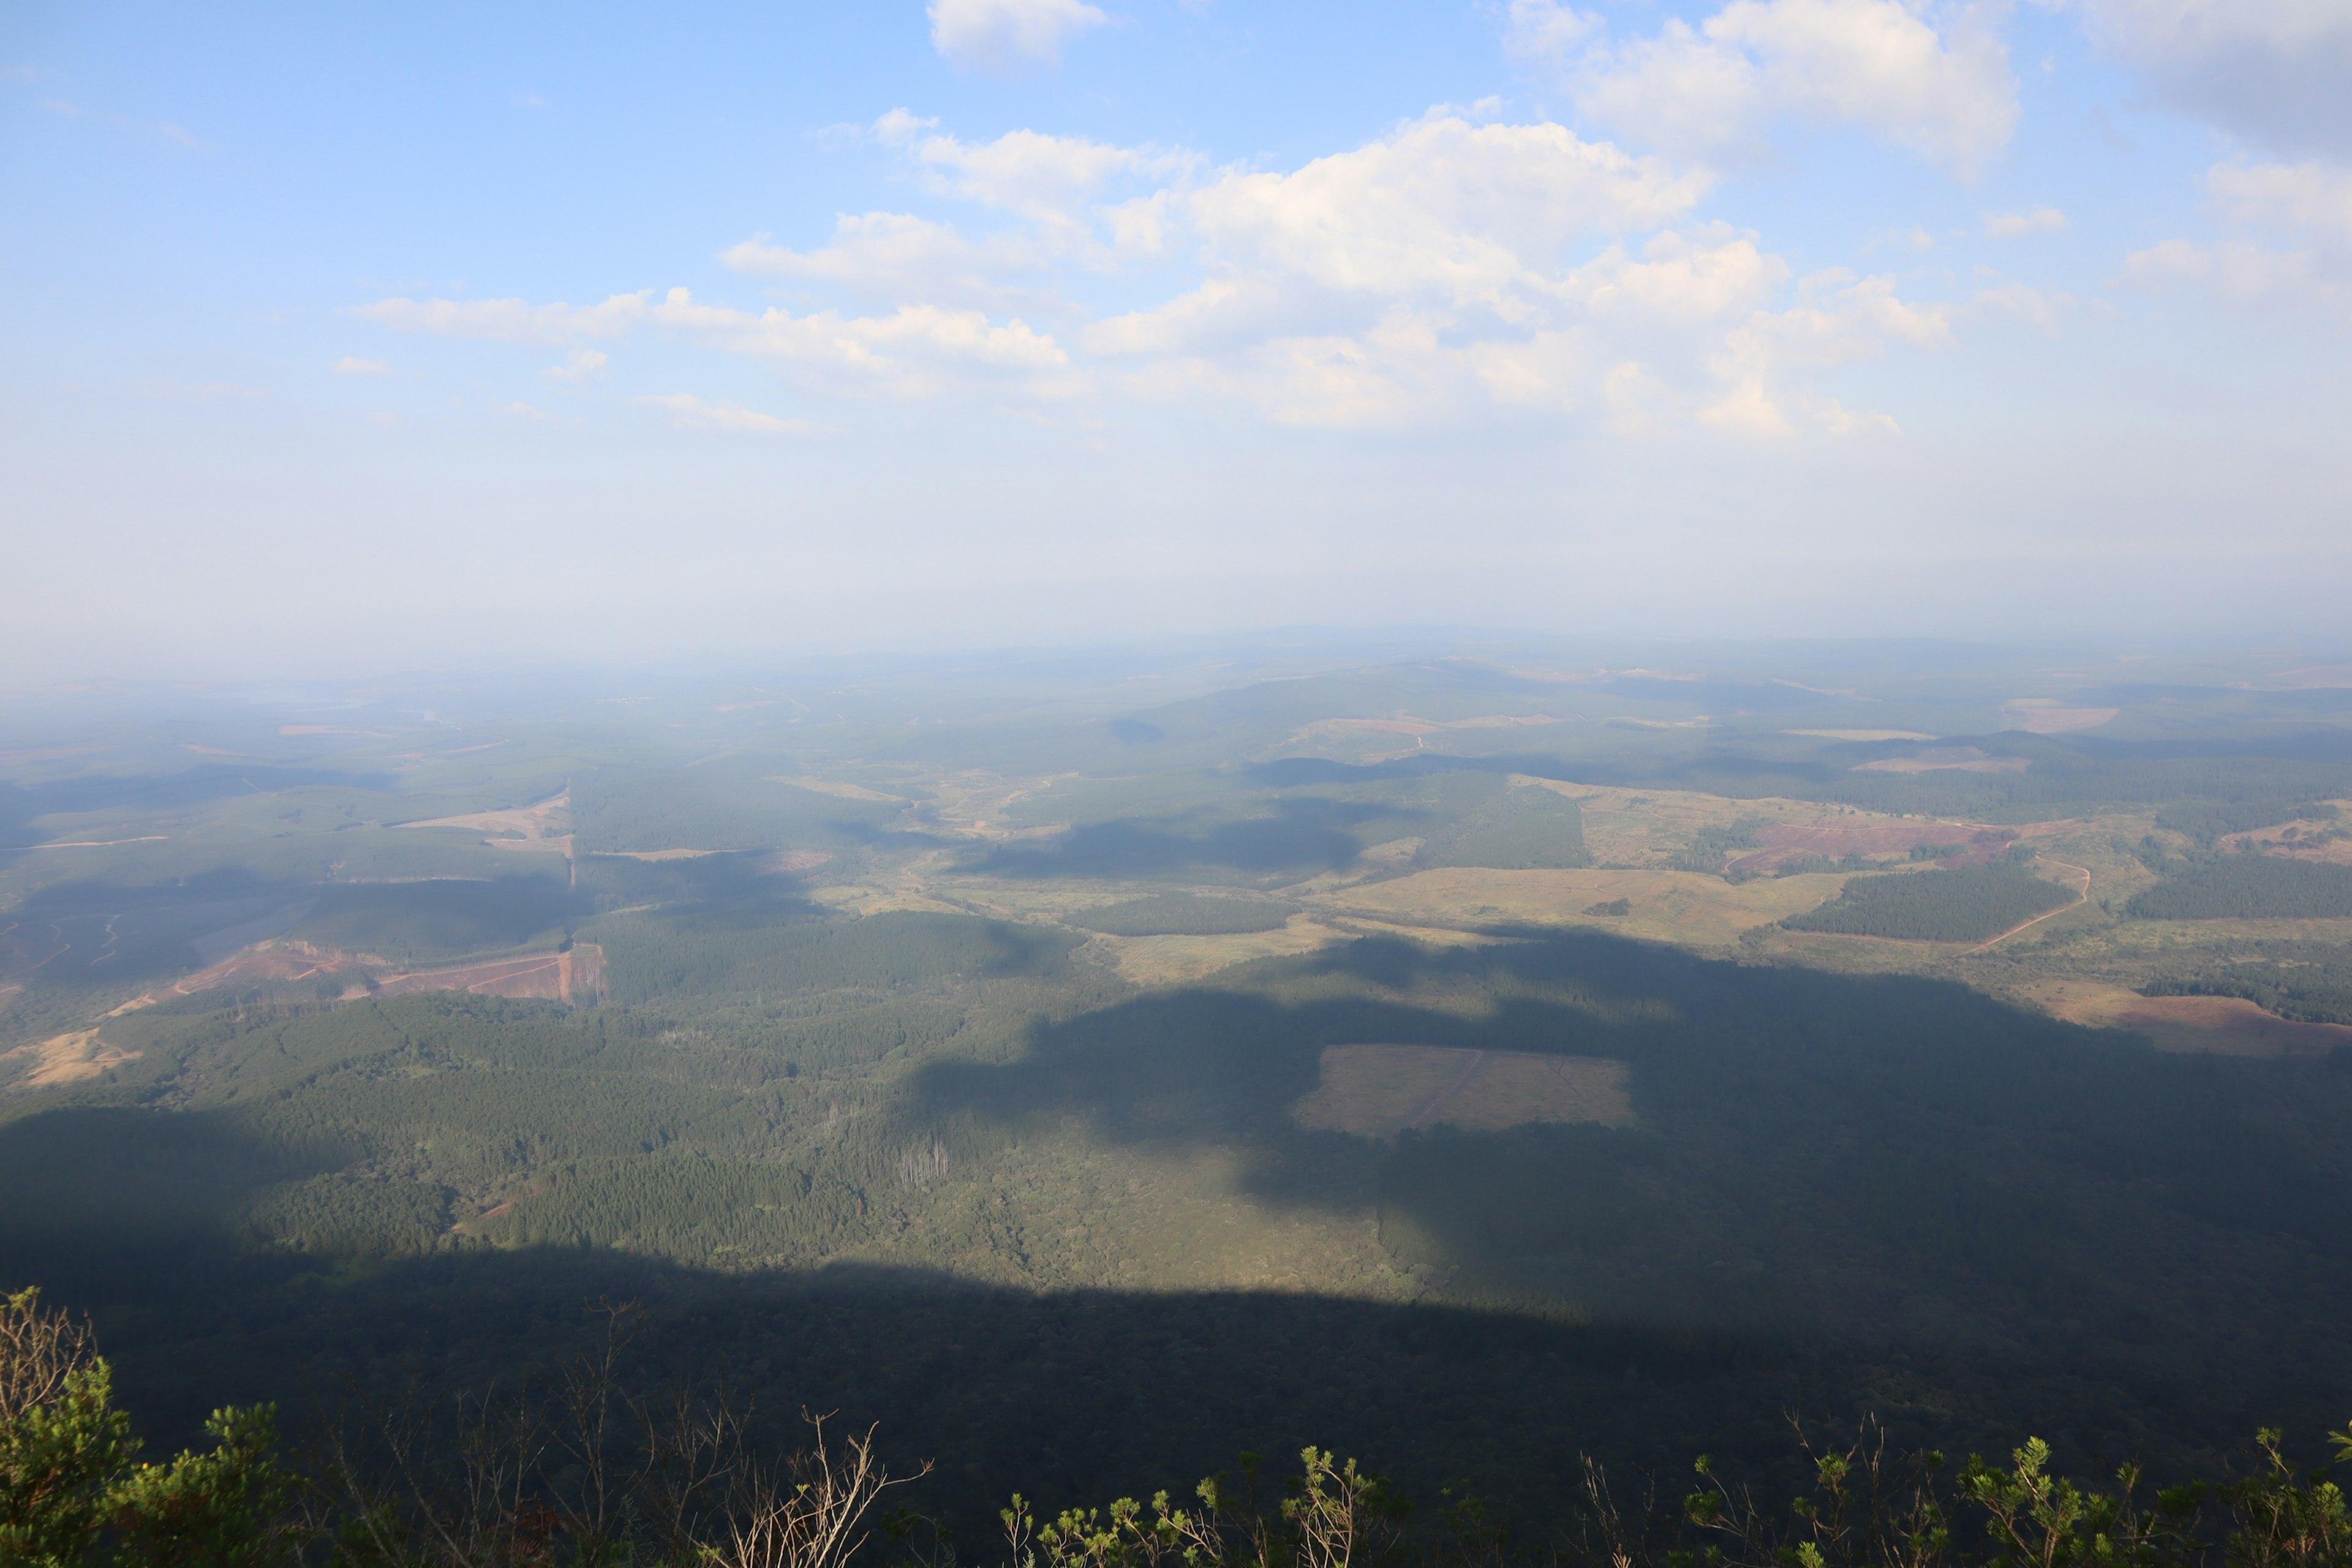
(1297, 839)
(1902, 1168)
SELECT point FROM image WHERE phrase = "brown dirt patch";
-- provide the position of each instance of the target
(1938, 758)
(2216, 1026)
(1861, 734)
(560, 977)
(1375, 1091)
(70, 1058)
(786, 861)
(835, 787)
(1786, 843)
(274, 961)
(539, 827)
(556, 977)
(2032, 716)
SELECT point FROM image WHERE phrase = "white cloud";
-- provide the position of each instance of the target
(580, 366)
(2040, 309)
(1453, 268)
(896, 257)
(352, 365)
(1002, 35)
(1471, 213)
(509, 321)
(2312, 197)
(2308, 206)
(689, 412)
(1547, 32)
(525, 411)
(1936, 81)
(2010, 225)
(911, 352)
(2273, 69)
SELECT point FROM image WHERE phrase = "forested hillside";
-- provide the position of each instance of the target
(1966, 904)
(1462, 1066)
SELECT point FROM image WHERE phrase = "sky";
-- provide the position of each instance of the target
(357, 337)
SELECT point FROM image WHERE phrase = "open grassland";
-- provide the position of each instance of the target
(2221, 1026)
(1176, 960)
(1665, 906)
(70, 1057)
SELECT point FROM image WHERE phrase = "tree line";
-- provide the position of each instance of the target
(576, 1466)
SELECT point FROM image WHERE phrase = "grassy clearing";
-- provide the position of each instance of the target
(1664, 906)
(2216, 1026)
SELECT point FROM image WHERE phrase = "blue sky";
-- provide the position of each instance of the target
(396, 336)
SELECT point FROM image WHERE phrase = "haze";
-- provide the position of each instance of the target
(408, 336)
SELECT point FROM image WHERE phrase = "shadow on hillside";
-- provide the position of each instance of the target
(1844, 1194)
(1301, 838)
(1068, 1397)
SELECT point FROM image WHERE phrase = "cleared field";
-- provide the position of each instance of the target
(1173, 960)
(2037, 716)
(1664, 906)
(69, 1058)
(558, 977)
(540, 827)
(1862, 734)
(1935, 759)
(1785, 843)
(561, 976)
(1375, 1091)
(2218, 1025)
(835, 787)
(1650, 829)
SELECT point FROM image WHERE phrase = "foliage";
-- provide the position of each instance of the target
(412, 921)
(2310, 992)
(72, 1493)
(1968, 903)
(1519, 830)
(1712, 845)
(2249, 887)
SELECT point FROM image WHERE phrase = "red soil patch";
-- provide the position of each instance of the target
(1785, 843)
(559, 976)
(1935, 759)
(786, 860)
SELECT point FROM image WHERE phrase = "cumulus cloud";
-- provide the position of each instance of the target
(2274, 71)
(509, 321)
(352, 365)
(1006, 35)
(2010, 225)
(689, 412)
(1934, 79)
(2314, 198)
(2041, 308)
(1470, 213)
(895, 257)
(1456, 266)
(914, 351)
(581, 365)
(1432, 272)
(2303, 209)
